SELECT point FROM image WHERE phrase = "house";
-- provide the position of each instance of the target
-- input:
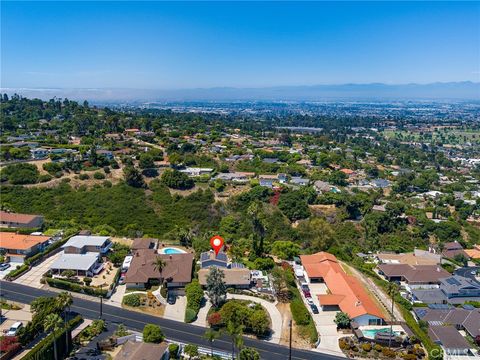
(142, 273)
(266, 183)
(194, 171)
(380, 183)
(236, 275)
(460, 287)
(39, 153)
(282, 178)
(449, 339)
(144, 243)
(106, 153)
(466, 318)
(270, 160)
(418, 257)
(132, 350)
(322, 186)
(81, 244)
(299, 181)
(346, 293)
(14, 220)
(416, 276)
(83, 264)
(236, 177)
(473, 253)
(17, 246)
(452, 249)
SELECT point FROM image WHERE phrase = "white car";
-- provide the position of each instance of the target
(14, 328)
(310, 301)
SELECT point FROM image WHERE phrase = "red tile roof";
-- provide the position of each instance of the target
(346, 291)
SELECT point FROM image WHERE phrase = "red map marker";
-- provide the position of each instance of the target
(217, 243)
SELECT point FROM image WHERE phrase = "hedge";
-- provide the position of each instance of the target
(132, 300)
(301, 316)
(190, 315)
(115, 279)
(44, 349)
(66, 285)
(13, 274)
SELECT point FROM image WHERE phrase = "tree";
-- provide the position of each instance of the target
(235, 331)
(133, 177)
(53, 322)
(146, 161)
(294, 205)
(342, 320)
(158, 265)
(216, 287)
(65, 301)
(175, 179)
(392, 290)
(285, 249)
(249, 354)
(259, 322)
(211, 335)
(153, 334)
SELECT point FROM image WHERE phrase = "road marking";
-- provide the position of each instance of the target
(165, 327)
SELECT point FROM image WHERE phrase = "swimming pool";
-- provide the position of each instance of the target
(370, 333)
(171, 250)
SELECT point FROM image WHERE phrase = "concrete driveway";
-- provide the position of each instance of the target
(33, 276)
(12, 316)
(176, 311)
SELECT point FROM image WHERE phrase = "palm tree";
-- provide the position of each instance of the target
(159, 265)
(53, 322)
(392, 290)
(235, 331)
(211, 335)
(64, 301)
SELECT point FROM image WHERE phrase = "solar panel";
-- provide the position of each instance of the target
(439, 306)
(222, 256)
(237, 266)
(421, 312)
(453, 281)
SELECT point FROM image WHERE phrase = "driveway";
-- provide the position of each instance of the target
(33, 276)
(176, 311)
(467, 272)
(117, 297)
(12, 316)
(324, 322)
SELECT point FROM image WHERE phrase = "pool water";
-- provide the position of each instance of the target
(372, 332)
(169, 251)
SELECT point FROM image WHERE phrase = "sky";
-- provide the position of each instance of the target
(179, 45)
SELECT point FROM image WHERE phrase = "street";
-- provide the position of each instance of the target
(174, 330)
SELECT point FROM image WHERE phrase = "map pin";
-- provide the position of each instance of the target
(217, 243)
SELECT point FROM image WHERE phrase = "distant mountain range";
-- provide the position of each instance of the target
(466, 90)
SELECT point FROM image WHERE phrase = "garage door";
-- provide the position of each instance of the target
(18, 260)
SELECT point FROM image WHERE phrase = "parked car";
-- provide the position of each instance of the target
(314, 308)
(310, 301)
(4, 266)
(474, 272)
(305, 287)
(171, 298)
(14, 328)
(307, 294)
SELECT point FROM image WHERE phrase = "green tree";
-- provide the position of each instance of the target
(235, 332)
(249, 354)
(53, 322)
(294, 205)
(158, 265)
(191, 350)
(153, 334)
(216, 287)
(65, 301)
(176, 180)
(259, 322)
(342, 320)
(146, 161)
(211, 335)
(285, 249)
(392, 291)
(133, 177)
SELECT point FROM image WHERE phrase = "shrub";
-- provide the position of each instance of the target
(20, 174)
(389, 352)
(84, 177)
(176, 180)
(132, 300)
(106, 169)
(366, 347)
(299, 312)
(173, 350)
(191, 350)
(52, 167)
(44, 178)
(378, 348)
(194, 293)
(18, 271)
(87, 280)
(98, 175)
(190, 315)
(215, 319)
(152, 334)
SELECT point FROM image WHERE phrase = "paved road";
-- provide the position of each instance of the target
(172, 329)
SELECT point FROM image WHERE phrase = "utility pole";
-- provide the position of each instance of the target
(290, 342)
(101, 302)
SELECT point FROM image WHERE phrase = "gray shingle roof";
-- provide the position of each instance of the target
(80, 241)
(75, 261)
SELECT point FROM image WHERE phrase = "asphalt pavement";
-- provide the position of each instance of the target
(467, 272)
(174, 330)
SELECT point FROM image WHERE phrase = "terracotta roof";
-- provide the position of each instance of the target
(178, 267)
(141, 351)
(17, 218)
(346, 291)
(473, 253)
(347, 171)
(330, 299)
(9, 240)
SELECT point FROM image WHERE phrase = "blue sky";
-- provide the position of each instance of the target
(159, 45)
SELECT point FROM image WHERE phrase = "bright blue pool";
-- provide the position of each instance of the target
(170, 251)
(372, 332)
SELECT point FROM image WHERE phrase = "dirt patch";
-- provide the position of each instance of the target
(123, 241)
(156, 311)
(297, 340)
